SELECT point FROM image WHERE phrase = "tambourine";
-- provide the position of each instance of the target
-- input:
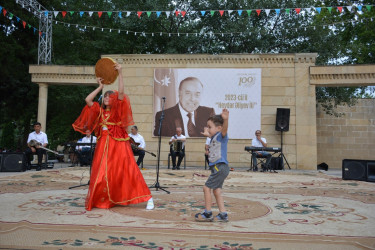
(105, 69)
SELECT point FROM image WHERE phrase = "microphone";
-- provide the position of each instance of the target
(163, 98)
(100, 98)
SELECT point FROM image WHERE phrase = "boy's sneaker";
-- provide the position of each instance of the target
(222, 217)
(204, 216)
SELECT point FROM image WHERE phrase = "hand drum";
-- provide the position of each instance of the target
(105, 69)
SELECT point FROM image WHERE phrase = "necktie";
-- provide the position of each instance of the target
(190, 126)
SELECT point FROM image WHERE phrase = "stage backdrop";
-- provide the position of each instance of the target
(238, 90)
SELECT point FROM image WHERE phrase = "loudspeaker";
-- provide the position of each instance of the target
(360, 170)
(12, 162)
(276, 163)
(282, 119)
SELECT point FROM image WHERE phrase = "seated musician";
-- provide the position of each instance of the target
(176, 141)
(259, 141)
(34, 141)
(139, 147)
(84, 151)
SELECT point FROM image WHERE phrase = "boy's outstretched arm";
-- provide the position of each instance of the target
(225, 116)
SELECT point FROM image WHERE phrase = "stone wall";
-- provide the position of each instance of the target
(351, 136)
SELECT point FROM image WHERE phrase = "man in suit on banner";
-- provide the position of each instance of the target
(187, 113)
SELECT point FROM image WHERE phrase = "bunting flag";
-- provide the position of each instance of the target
(221, 12)
(239, 12)
(100, 13)
(258, 11)
(139, 13)
(298, 10)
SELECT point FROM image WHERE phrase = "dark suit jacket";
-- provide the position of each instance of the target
(173, 119)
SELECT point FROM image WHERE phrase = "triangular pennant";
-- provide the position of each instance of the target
(4, 12)
(71, 13)
(148, 13)
(109, 13)
(318, 9)
(11, 15)
(1, 8)
(308, 10)
(120, 14)
(18, 19)
(34, 30)
(221, 12)
(177, 13)
(168, 13)
(268, 11)
(203, 12)
(90, 13)
(212, 12)
(46, 13)
(139, 13)
(100, 13)
(81, 13)
(349, 8)
(239, 12)
(29, 26)
(55, 13)
(329, 9)
(158, 13)
(230, 12)
(63, 14)
(340, 9)
(368, 7)
(298, 10)
(128, 13)
(287, 11)
(258, 11)
(277, 11)
(24, 24)
(248, 12)
(359, 7)
(40, 33)
(183, 13)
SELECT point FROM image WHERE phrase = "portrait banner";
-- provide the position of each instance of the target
(191, 96)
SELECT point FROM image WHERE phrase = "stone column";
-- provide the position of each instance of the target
(42, 105)
(306, 141)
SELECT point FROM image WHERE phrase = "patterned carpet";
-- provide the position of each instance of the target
(287, 210)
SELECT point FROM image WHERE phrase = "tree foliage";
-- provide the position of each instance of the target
(338, 38)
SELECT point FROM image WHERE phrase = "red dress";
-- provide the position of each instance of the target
(115, 176)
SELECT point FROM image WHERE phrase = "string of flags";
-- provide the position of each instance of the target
(142, 33)
(19, 20)
(182, 13)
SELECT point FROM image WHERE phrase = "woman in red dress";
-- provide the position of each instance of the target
(115, 176)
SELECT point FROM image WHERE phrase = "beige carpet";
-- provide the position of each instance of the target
(287, 210)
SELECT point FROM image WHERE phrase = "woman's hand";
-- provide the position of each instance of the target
(99, 81)
(118, 67)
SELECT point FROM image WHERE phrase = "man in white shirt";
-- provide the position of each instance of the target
(41, 140)
(259, 141)
(85, 151)
(177, 138)
(139, 147)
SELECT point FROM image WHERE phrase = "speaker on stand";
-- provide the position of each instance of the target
(282, 124)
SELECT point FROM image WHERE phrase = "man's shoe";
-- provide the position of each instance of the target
(222, 217)
(178, 168)
(204, 216)
(174, 168)
(38, 168)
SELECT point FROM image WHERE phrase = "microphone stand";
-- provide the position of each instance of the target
(157, 184)
(91, 153)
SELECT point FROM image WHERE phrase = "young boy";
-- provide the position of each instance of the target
(217, 127)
